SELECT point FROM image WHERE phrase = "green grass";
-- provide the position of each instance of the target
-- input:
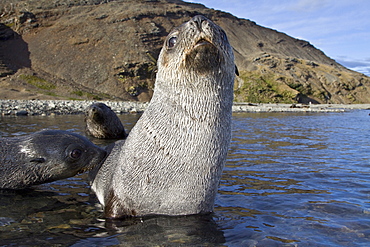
(89, 95)
(52, 94)
(37, 82)
(78, 93)
(305, 90)
(262, 88)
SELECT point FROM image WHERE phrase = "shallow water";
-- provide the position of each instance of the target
(291, 179)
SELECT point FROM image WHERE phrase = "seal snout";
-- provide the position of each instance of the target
(198, 20)
(205, 31)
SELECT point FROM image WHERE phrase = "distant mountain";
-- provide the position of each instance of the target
(104, 49)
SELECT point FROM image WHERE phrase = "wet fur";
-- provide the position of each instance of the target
(45, 156)
(103, 123)
(172, 161)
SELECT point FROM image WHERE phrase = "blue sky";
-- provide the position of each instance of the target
(340, 28)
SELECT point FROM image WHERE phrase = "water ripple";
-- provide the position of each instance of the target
(290, 180)
(298, 179)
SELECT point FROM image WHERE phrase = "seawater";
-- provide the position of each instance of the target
(291, 179)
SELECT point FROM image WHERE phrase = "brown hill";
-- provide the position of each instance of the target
(100, 49)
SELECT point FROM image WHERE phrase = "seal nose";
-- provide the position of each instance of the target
(198, 19)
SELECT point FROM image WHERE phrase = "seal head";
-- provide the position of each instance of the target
(45, 156)
(172, 161)
(202, 53)
(102, 122)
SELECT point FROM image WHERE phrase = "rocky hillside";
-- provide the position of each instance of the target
(104, 49)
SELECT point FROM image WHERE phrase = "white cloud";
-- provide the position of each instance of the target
(362, 66)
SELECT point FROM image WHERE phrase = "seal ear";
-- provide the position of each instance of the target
(236, 70)
(38, 160)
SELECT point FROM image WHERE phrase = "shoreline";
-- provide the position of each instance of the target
(63, 107)
(297, 107)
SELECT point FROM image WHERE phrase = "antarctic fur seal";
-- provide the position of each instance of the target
(102, 122)
(172, 161)
(45, 156)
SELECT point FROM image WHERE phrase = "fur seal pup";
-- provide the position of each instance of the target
(172, 161)
(45, 156)
(102, 122)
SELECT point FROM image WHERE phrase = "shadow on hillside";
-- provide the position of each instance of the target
(14, 53)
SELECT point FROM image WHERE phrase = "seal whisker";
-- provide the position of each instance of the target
(38, 160)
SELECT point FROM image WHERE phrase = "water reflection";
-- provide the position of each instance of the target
(192, 230)
(65, 213)
(51, 214)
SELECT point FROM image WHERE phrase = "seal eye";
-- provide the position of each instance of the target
(172, 42)
(76, 153)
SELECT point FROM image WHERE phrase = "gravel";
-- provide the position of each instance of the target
(61, 107)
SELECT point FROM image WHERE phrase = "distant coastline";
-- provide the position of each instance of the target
(62, 107)
(250, 107)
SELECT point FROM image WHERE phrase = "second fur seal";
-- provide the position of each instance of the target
(103, 123)
(45, 156)
(171, 162)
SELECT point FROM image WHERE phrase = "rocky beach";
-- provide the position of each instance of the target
(62, 107)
